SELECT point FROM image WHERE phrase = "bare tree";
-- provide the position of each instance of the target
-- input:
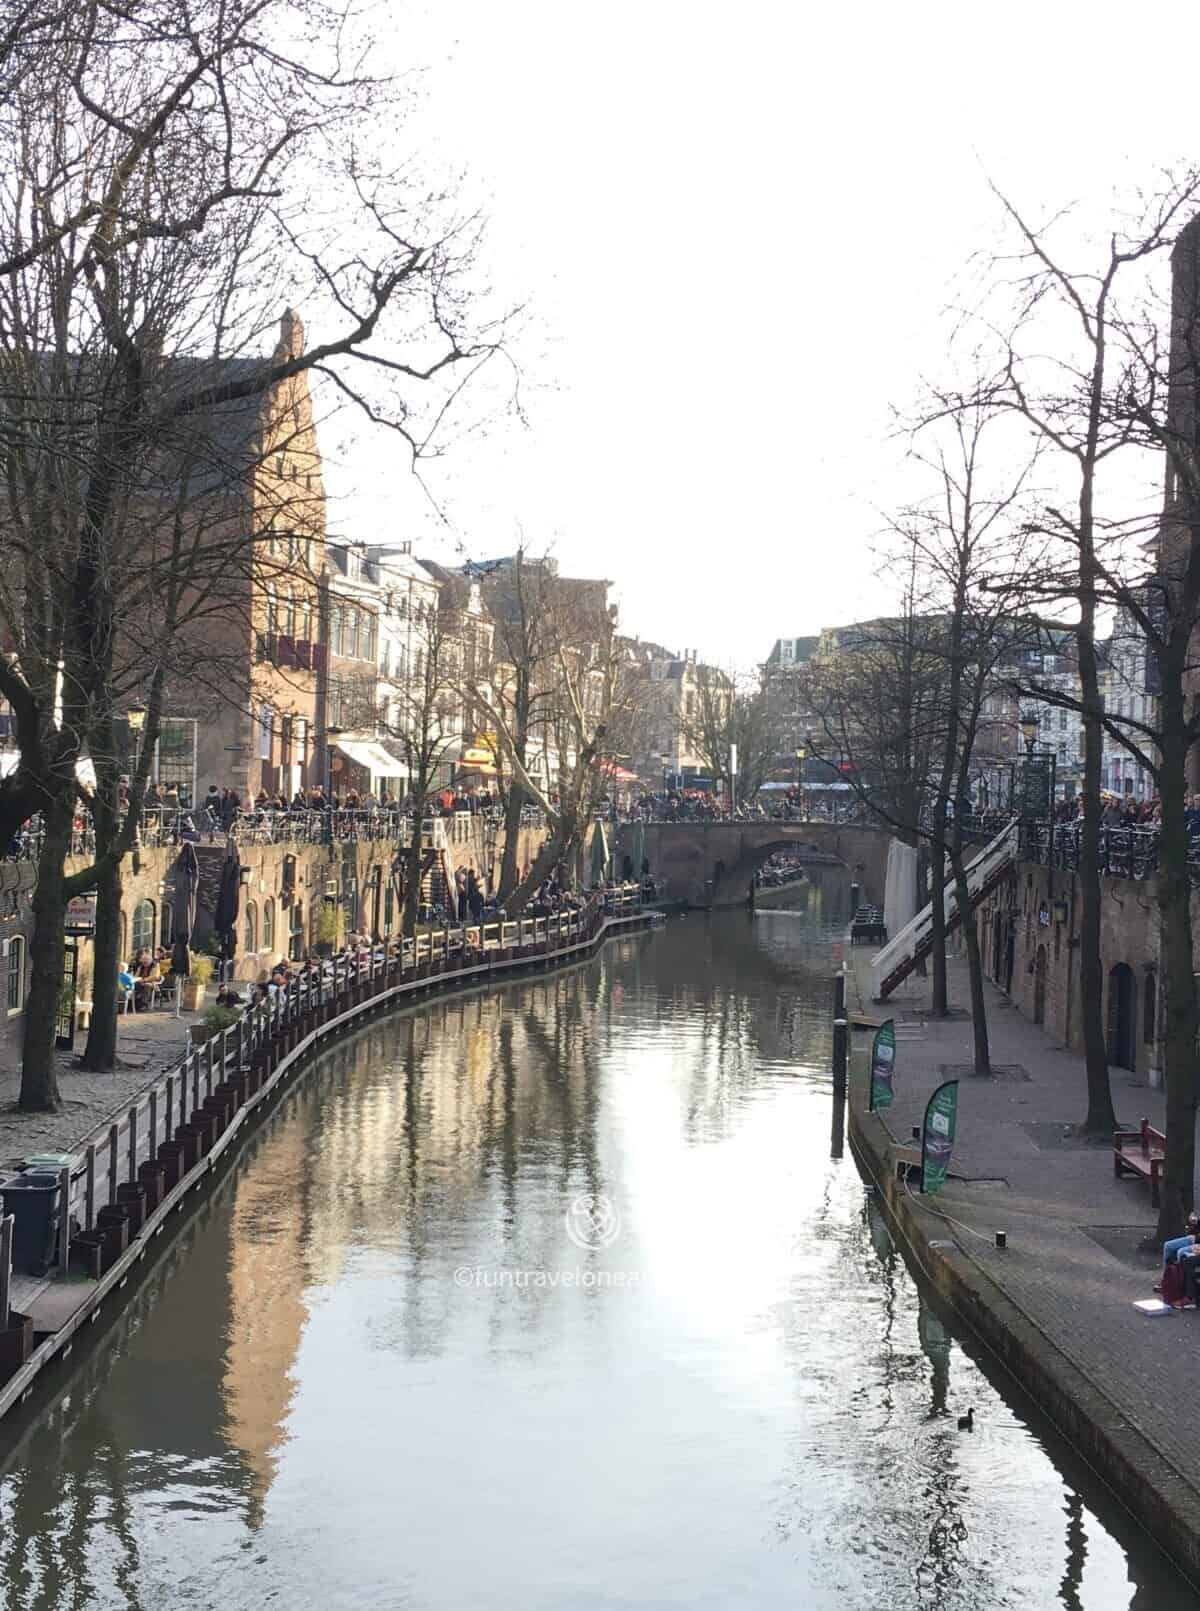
(172, 173)
(425, 709)
(734, 716)
(597, 698)
(1063, 385)
(520, 597)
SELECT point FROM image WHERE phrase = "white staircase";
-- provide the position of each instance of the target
(904, 950)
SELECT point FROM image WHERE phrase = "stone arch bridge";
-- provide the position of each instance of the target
(711, 863)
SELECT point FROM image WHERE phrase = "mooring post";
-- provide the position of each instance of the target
(133, 1142)
(89, 1190)
(113, 1143)
(837, 1130)
(64, 1218)
(6, 1242)
(839, 995)
(841, 1042)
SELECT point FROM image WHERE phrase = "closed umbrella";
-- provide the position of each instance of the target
(183, 916)
(638, 853)
(229, 897)
(599, 854)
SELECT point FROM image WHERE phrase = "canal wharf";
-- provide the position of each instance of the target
(129, 1175)
(1054, 1302)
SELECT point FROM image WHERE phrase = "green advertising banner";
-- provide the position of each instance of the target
(883, 1066)
(937, 1136)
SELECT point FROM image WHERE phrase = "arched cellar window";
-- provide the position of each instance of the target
(143, 927)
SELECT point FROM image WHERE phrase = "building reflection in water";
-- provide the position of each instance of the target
(687, 1077)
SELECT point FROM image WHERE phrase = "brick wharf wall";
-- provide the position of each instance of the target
(1028, 930)
(283, 885)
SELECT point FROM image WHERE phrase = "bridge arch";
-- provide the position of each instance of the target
(731, 885)
(706, 864)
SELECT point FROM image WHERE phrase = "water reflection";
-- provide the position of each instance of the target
(391, 1377)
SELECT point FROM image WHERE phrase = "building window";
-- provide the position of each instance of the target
(268, 934)
(369, 646)
(143, 927)
(264, 732)
(175, 761)
(296, 938)
(251, 939)
(16, 973)
(336, 628)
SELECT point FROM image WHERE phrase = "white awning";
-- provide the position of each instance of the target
(84, 770)
(365, 752)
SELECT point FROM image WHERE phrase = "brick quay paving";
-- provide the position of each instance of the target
(1075, 1263)
(148, 1045)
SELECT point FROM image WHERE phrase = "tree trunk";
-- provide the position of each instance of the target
(1177, 984)
(100, 1053)
(551, 856)
(940, 1002)
(39, 1073)
(512, 834)
(962, 894)
(1100, 1118)
(412, 879)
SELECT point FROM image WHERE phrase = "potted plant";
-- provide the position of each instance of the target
(329, 929)
(215, 1020)
(195, 983)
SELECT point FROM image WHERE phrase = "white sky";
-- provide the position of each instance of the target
(736, 228)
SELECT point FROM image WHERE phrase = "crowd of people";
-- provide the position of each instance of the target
(700, 805)
(1123, 811)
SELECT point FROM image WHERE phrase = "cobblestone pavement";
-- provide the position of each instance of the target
(1073, 1262)
(148, 1043)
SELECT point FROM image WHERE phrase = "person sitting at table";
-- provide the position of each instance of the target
(125, 983)
(147, 974)
(1174, 1245)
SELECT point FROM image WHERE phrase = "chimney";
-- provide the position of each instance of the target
(291, 335)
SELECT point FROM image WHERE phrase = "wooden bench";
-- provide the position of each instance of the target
(1140, 1152)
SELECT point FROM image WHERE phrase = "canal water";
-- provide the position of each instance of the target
(554, 1299)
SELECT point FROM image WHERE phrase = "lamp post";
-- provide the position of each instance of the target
(1039, 778)
(801, 757)
(135, 718)
(331, 735)
(666, 762)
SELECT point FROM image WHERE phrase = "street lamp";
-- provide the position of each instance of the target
(1038, 782)
(666, 762)
(331, 734)
(135, 719)
(801, 757)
